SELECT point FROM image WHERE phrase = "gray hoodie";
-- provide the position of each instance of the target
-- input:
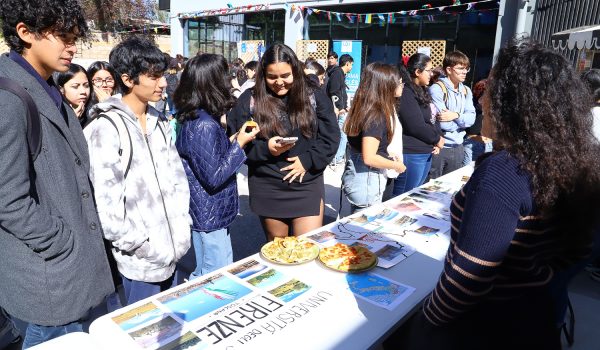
(145, 215)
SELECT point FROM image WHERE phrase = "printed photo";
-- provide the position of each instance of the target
(289, 291)
(204, 296)
(361, 244)
(389, 252)
(188, 341)
(378, 290)
(247, 269)
(138, 316)
(322, 236)
(160, 333)
(436, 216)
(405, 220)
(405, 206)
(268, 279)
(424, 230)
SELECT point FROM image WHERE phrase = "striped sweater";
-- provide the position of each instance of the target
(500, 249)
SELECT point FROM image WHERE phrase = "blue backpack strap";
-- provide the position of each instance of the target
(34, 127)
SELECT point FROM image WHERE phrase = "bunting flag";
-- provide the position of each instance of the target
(425, 10)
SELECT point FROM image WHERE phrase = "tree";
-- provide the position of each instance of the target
(115, 15)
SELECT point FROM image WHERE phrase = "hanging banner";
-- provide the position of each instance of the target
(354, 49)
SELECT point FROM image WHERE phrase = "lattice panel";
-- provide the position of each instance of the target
(317, 49)
(252, 47)
(437, 47)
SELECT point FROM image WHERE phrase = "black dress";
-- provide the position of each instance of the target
(270, 196)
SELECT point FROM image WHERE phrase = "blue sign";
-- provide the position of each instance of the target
(354, 49)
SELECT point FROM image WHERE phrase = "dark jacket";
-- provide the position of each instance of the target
(315, 153)
(53, 265)
(211, 162)
(420, 132)
(336, 86)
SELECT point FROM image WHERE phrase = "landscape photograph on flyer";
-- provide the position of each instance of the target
(203, 297)
(188, 341)
(247, 269)
(290, 290)
(156, 334)
(138, 316)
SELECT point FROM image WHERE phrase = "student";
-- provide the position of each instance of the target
(332, 61)
(172, 82)
(454, 102)
(371, 126)
(103, 79)
(75, 87)
(314, 69)
(53, 267)
(210, 159)
(139, 182)
(421, 136)
(475, 144)
(250, 68)
(285, 179)
(522, 217)
(336, 90)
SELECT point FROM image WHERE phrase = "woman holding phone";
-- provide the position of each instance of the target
(371, 126)
(285, 178)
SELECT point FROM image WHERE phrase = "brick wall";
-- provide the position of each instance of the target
(98, 48)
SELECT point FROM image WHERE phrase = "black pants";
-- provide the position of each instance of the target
(525, 323)
(449, 159)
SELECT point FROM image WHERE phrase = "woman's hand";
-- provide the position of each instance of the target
(296, 169)
(79, 110)
(276, 148)
(101, 95)
(243, 137)
(436, 150)
(399, 165)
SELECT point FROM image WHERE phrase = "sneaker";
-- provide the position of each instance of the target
(595, 276)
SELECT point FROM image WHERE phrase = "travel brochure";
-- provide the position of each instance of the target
(179, 319)
(378, 290)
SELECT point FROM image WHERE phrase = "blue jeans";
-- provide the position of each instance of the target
(171, 105)
(363, 185)
(473, 149)
(139, 290)
(417, 169)
(213, 251)
(341, 152)
(8, 330)
(37, 334)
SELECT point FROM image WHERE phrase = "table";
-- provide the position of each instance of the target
(75, 340)
(326, 316)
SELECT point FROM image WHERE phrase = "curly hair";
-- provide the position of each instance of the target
(62, 16)
(540, 111)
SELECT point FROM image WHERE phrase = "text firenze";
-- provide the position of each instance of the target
(258, 309)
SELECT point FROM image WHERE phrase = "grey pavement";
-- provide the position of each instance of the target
(246, 232)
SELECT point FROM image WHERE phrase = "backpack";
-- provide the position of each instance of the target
(445, 91)
(119, 126)
(34, 127)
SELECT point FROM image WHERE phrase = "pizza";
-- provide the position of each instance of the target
(342, 257)
(289, 250)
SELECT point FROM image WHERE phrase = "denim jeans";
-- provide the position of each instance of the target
(363, 185)
(449, 159)
(341, 152)
(37, 334)
(473, 149)
(417, 169)
(8, 330)
(171, 105)
(213, 251)
(139, 290)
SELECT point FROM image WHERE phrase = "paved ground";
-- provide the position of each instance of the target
(247, 235)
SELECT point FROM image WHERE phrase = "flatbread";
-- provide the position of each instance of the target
(342, 257)
(289, 251)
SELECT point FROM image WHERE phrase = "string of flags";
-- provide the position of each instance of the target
(426, 10)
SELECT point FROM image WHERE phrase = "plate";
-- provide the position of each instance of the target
(340, 245)
(289, 251)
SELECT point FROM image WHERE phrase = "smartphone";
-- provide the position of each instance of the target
(287, 140)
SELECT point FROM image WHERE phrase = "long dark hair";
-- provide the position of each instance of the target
(62, 78)
(93, 69)
(204, 84)
(418, 61)
(268, 107)
(540, 111)
(375, 99)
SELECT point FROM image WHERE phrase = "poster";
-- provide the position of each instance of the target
(354, 49)
(424, 50)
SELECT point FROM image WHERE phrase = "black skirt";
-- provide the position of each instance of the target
(273, 198)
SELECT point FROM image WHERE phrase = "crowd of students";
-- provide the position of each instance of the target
(119, 190)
